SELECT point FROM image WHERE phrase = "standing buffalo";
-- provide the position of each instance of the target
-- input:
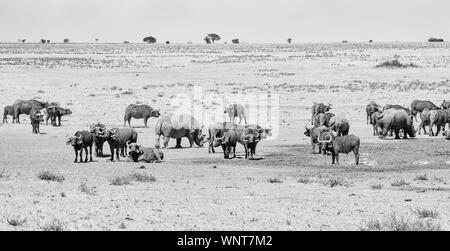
(319, 108)
(374, 122)
(249, 138)
(98, 130)
(336, 145)
(24, 107)
(178, 127)
(36, 117)
(417, 106)
(397, 107)
(371, 108)
(8, 110)
(82, 140)
(228, 142)
(217, 129)
(139, 112)
(445, 104)
(236, 111)
(313, 132)
(396, 120)
(322, 119)
(340, 125)
(424, 120)
(54, 113)
(118, 139)
(439, 118)
(138, 153)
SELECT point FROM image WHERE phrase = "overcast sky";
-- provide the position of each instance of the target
(259, 21)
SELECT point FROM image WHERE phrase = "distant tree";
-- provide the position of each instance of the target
(235, 41)
(371, 41)
(126, 42)
(48, 41)
(289, 40)
(345, 41)
(207, 40)
(96, 40)
(150, 40)
(214, 37)
(167, 42)
(434, 40)
(66, 40)
(43, 41)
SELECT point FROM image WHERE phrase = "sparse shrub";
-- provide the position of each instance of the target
(141, 177)
(400, 223)
(54, 225)
(421, 177)
(4, 175)
(84, 188)
(399, 183)
(427, 213)
(127, 93)
(274, 180)
(49, 176)
(334, 182)
(304, 180)
(395, 63)
(121, 181)
(16, 221)
(376, 186)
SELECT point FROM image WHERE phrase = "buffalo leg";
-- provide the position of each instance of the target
(191, 141)
(90, 153)
(397, 134)
(225, 156)
(59, 120)
(117, 154)
(81, 155)
(112, 152)
(246, 151)
(145, 122)
(438, 130)
(76, 156)
(356, 152)
(333, 158)
(157, 143)
(337, 158)
(166, 141)
(211, 147)
(233, 149)
(178, 145)
(86, 154)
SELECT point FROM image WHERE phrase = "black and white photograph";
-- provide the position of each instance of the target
(225, 115)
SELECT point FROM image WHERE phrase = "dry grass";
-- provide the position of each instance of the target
(4, 175)
(16, 221)
(376, 187)
(394, 222)
(274, 181)
(395, 63)
(84, 188)
(49, 176)
(399, 183)
(421, 177)
(138, 177)
(334, 182)
(55, 225)
(426, 213)
(121, 181)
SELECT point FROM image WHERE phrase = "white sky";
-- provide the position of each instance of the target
(258, 21)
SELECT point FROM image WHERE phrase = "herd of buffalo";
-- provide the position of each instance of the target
(328, 132)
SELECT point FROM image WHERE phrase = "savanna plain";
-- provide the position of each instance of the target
(399, 184)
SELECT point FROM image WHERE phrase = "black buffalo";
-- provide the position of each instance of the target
(36, 117)
(55, 113)
(24, 107)
(82, 140)
(7, 111)
(228, 142)
(118, 139)
(319, 108)
(98, 130)
(138, 153)
(139, 112)
(417, 106)
(371, 108)
(343, 144)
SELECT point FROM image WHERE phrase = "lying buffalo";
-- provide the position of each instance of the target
(119, 139)
(336, 145)
(82, 140)
(7, 111)
(139, 112)
(313, 132)
(228, 142)
(178, 127)
(36, 117)
(396, 120)
(236, 111)
(319, 108)
(417, 106)
(340, 125)
(98, 130)
(371, 108)
(138, 153)
(439, 118)
(24, 107)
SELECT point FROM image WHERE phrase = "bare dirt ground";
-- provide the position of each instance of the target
(288, 188)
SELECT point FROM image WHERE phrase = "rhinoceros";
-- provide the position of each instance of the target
(178, 126)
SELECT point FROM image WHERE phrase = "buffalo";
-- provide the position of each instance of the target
(24, 107)
(417, 106)
(139, 112)
(319, 108)
(439, 118)
(371, 108)
(98, 130)
(424, 120)
(397, 107)
(228, 142)
(313, 132)
(118, 139)
(236, 111)
(340, 125)
(336, 145)
(54, 113)
(7, 111)
(322, 119)
(178, 127)
(396, 120)
(445, 104)
(82, 140)
(249, 138)
(36, 117)
(138, 153)
(374, 122)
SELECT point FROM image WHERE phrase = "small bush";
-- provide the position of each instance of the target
(84, 188)
(421, 177)
(427, 213)
(54, 225)
(399, 183)
(4, 175)
(395, 63)
(140, 177)
(274, 180)
(399, 223)
(376, 186)
(16, 221)
(49, 176)
(304, 180)
(121, 181)
(334, 182)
